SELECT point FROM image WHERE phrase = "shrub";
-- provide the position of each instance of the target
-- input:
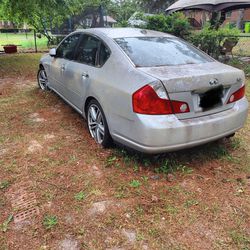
(176, 24)
(211, 41)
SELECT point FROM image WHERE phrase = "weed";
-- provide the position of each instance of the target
(154, 232)
(140, 237)
(96, 192)
(136, 168)
(240, 239)
(2, 202)
(172, 210)
(146, 162)
(139, 210)
(121, 192)
(170, 166)
(120, 195)
(164, 169)
(144, 178)
(5, 224)
(4, 184)
(186, 170)
(111, 161)
(235, 143)
(81, 231)
(135, 184)
(190, 203)
(72, 158)
(80, 196)
(50, 221)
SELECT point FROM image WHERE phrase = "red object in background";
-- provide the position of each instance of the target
(10, 49)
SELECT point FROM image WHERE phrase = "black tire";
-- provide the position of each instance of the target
(42, 79)
(101, 126)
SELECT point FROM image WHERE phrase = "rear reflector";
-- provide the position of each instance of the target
(239, 94)
(148, 100)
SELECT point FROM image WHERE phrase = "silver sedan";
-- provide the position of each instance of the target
(145, 89)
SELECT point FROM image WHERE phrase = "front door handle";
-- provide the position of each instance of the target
(63, 67)
(85, 75)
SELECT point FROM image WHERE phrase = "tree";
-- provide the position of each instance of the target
(45, 14)
(122, 10)
(155, 6)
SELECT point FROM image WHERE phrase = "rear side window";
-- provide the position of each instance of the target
(103, 55)
(67, 47)
(92, 51)
(160, 51)
(88, 50)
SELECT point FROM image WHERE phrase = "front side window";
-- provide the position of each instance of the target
(161, 51)
(67, 47)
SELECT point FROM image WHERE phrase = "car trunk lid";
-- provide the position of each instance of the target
(205, 87)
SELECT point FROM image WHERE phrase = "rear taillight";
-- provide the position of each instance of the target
(153, 100)
(239, 94)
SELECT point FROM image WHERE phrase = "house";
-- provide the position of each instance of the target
(138, 19)
(198, 18)
(232, 16)
(88, 21)
(6, 25)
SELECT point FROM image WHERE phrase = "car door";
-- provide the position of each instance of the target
(85, 68)
(64, 55)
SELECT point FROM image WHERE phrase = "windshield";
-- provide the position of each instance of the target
(160, 51)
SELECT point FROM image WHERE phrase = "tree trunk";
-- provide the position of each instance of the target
(239, 23)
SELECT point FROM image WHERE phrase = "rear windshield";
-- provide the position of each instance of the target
(160, 51)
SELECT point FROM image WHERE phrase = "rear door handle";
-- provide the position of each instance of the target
(85, 75)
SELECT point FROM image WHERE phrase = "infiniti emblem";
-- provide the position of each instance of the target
(214, 82)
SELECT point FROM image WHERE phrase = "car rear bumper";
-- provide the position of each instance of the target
(158, 134)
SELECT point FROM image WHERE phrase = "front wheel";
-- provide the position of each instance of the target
(97, 124)
(42, 79)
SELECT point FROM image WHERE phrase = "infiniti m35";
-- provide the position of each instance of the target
(148, 90)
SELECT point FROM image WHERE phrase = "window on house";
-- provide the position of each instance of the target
(229, 14)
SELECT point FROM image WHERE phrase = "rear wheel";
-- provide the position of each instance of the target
(97, 124)
(42, 79)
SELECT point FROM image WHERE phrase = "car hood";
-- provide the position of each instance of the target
(193, 77)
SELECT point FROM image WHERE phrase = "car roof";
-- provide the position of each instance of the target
(126, 32)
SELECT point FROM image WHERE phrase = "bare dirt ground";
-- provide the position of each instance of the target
(59, 190)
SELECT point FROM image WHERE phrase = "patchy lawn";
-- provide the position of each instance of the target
(243, 46)
(58, 189)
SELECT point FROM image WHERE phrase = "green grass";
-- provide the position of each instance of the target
(25, 40)
(50, 221)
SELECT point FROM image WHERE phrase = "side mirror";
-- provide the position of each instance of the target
(52, 52)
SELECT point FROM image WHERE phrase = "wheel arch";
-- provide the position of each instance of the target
(41, 66)
(88, 100)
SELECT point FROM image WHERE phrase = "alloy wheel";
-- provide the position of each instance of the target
(42, 79)
(96, 123)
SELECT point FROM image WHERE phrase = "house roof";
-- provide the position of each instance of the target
(108, 19)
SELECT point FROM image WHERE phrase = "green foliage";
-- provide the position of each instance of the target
(4, 184)
(43, 14)
(135, 183)
(211, 40)
(4, 226)
(176, 24)
(50, 221)
(80, 196)
(123, 10)
(171, 166)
